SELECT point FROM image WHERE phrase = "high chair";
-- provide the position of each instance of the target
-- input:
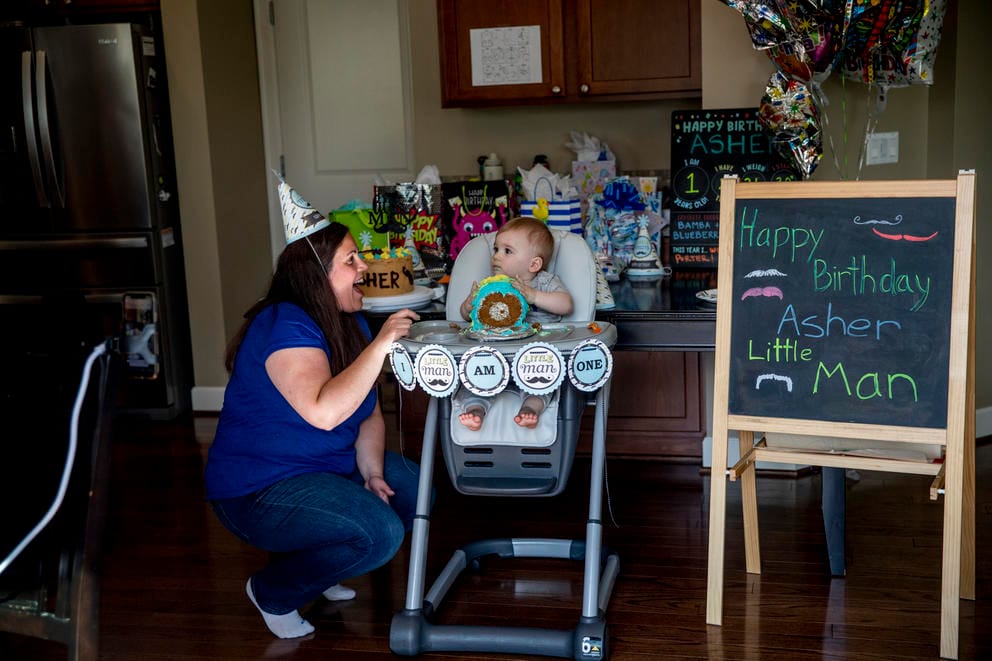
(536, 463)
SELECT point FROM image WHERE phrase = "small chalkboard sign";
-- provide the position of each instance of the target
(706, 146)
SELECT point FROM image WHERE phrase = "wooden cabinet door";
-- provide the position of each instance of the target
(655, 407)
(638, 47)
(457, 19)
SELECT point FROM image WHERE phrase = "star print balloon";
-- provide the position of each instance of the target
(788, 111)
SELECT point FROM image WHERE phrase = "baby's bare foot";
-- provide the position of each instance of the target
(530, 412)
(472, 418)
(526, 418)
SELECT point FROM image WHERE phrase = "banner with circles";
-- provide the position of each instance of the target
(590, 365)
(538, 368)
(436, 370)
(484, 371)
(402, 364)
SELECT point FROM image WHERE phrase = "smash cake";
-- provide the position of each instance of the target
(498, 308)
(390, 272)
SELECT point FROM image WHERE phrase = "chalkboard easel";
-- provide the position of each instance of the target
(846, 311)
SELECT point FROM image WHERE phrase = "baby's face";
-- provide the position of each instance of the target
(512, 254)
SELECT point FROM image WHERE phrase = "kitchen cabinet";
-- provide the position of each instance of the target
(589, 50)
(655, 409)
(61, 8)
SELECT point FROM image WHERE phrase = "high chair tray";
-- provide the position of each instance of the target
(454, 336)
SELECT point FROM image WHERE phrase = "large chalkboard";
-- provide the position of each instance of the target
(841, 309)
(706, 146)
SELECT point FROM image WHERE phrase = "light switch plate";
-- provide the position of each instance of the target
(883, 148)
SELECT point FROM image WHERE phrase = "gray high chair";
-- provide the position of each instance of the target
(495, 467)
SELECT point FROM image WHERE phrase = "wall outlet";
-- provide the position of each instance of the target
(883, 148)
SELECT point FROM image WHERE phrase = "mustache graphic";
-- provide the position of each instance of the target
(540, 379)
(773, 377)
(760, 273)
(770, 292)
(437, 382)
(877, 221)
(903, 237)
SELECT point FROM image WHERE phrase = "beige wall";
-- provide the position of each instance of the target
(221, 176)
(213, 85)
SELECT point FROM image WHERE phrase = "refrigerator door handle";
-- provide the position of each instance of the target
(75, 244)
(44, 128)
(27, 98)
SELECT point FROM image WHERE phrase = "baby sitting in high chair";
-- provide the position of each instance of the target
(522, 249)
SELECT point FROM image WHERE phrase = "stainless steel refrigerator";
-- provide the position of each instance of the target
(90, 242)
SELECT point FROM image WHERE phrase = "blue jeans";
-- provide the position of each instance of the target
(320, 529)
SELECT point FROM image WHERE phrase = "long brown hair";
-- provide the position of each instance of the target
(301, 278)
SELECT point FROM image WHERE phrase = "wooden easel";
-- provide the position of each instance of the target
(955, 477)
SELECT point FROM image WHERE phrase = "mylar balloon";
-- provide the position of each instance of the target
(789, 112)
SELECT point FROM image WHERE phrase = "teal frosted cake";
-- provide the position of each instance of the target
(498, 308)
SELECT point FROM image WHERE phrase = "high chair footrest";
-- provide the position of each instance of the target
(506, 486)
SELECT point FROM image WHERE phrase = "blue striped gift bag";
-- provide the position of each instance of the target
(562, 214)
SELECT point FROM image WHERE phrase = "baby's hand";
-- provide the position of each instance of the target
(525, 290)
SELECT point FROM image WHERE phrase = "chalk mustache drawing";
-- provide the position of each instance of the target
(758, 273)
(773, 377)
(877, 221)
(769, 292)
(904, 237)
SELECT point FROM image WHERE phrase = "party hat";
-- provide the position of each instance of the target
(299, 218)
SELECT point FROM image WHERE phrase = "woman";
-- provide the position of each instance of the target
(298, 466)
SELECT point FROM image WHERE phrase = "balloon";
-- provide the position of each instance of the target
(802, 37)
(893, 43)
(789, 112)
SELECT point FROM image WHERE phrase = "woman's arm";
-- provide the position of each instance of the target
(370, 448)
(303, 376)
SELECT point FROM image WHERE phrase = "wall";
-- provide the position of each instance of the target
(939, 133)
(213, 85)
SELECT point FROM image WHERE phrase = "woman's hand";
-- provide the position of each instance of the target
(396, 326)
(377, 485)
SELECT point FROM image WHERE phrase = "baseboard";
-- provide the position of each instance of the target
(207, 398)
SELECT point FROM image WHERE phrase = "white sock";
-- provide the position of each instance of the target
(288, 625)
(339, 593)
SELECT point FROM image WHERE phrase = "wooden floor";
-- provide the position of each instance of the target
(173, 578)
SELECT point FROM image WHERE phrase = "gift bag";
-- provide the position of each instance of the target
(558, 213)
(418, 206)
(359, 223)
(590, 177)
(472, 208)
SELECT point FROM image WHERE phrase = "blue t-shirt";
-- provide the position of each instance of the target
(260, 438)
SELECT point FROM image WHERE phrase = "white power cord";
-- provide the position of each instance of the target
(69, 460)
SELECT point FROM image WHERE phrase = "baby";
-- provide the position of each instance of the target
(523, 247)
